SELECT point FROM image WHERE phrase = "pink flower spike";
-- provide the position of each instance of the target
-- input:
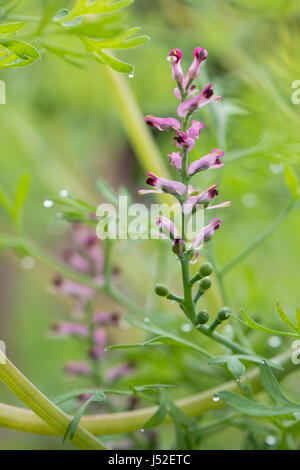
(184, 141)
(197, 102)
(206, 233)
(162, 124)
(167, 186)
(195, 129)
(174, 58)
(210, 161)
(199, 56)
(117, 372)
(175, 160)
(167, 227)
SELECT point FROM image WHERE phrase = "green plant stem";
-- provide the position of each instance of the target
(128, 421)
(49, 413)
(235, 347)
(142, 142)
(258, 240)
(187, 303)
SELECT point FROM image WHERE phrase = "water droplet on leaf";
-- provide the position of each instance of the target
(48, 203)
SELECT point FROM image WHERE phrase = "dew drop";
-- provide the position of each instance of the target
(276, 168)
(27, 262)
(215, 398)
(142, 430)
(146, 319)
(274, 341)
(271, 440)
(105, 349)
(48, 203)
(186, 328)
(131, 75)
(64, 193)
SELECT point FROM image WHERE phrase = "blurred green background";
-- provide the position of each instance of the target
(62, 124)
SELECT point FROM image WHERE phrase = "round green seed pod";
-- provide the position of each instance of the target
(161, 290)
(205, 270)
(205, 283)
(224, 314)
(202, 317)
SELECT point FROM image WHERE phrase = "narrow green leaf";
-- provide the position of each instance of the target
(21, 49)
(292, 182)
(236, 366)
(284, 317)
(5, 200)
(243, 357)
(256, 326)
(107, 192)
(165, 336)
(271, 386)
(160, 414)
(21, 193)
(11, 27)
(115, 64)
(298, 319)
(251, 408)
(71, 430)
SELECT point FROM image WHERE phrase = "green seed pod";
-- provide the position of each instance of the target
(205, 270)
(205, 283)
(223, 314)
(202, 317)
(161, 290)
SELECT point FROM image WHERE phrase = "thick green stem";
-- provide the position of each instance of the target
(49, 413)
(128, 421)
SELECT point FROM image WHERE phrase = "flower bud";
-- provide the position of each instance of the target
(202, 317)
(206, 269)
(223, 314)
(205, 283)
(161, 290)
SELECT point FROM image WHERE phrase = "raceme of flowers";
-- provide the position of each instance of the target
(187, 132)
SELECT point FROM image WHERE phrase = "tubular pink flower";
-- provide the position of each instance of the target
(199, 56)
(167, 186)
(66, 286)
(197, 102)
(117, 372)
(106, 319)
(206, 233)
(195, 129)
(203, 198)
(167, 227)
(174, 58)
(70, 329)
(178, 246)
(100, 341)
(208, 162)
(162, 124)
(77, 368)
(184, 141)
(175, 160)
(75, 260)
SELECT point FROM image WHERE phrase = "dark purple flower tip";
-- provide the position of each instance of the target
(175, 55)
(152, 180)
(57, 281)
(213, 192)
(208, 91)
(200, 54)
(216, 223)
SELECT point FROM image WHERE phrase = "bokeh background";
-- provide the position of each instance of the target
(62, 124)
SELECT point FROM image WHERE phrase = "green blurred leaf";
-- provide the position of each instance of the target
(21, 193)
(236, 366)
(285, 318)
(107, 192)
(21, 49)
(11, 27)
(243, 357)
(116, 64)
(5, 200)
(292, 182)
(298, 319)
